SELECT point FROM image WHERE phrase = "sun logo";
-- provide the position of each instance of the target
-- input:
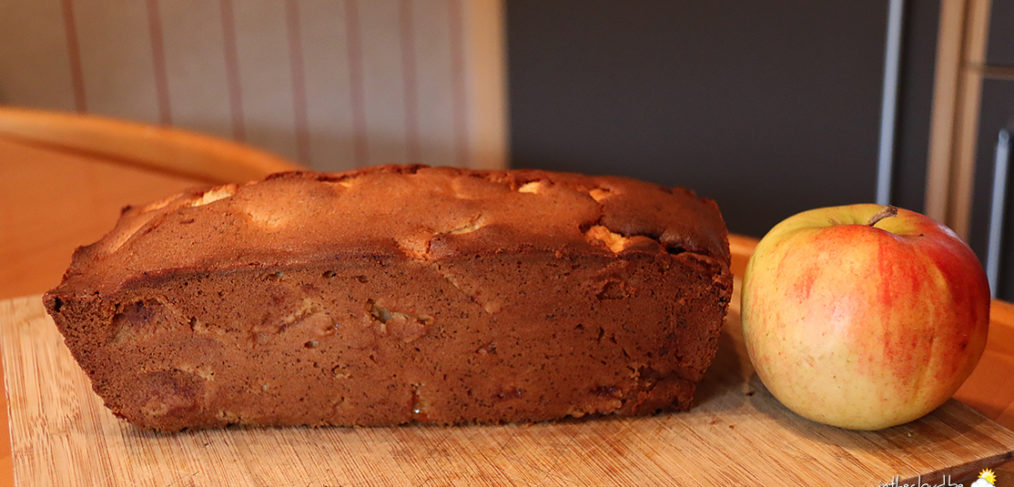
(986, 479)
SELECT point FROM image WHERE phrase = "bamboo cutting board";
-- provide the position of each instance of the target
(738, 434)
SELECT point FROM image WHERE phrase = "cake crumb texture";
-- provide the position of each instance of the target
(400, 294)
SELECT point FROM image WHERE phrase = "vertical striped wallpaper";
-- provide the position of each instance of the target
(334, 84)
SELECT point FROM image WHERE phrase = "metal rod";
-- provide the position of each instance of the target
(996, 210)
(889, 100)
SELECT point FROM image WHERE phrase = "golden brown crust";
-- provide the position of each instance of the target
(389, 211)
(400, 293)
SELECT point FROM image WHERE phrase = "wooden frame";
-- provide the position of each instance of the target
(486, 87)
(961, 46)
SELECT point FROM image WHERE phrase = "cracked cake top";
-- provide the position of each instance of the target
(438, 212)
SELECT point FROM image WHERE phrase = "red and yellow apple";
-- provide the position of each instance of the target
(863, 316)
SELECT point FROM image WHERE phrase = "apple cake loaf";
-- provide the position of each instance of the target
(400, 294)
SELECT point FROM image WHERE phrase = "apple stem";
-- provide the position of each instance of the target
(886, 212)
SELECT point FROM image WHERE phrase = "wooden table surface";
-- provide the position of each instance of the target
(54, 198)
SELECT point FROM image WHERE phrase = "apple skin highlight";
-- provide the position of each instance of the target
(859, 326)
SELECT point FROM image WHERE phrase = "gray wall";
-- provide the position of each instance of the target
(768, 107)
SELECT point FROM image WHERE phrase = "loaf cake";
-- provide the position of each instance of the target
(400, 294)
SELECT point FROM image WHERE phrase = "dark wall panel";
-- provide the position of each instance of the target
(768, 107)
(915, 103)
(997, 112)
(1000, 44)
